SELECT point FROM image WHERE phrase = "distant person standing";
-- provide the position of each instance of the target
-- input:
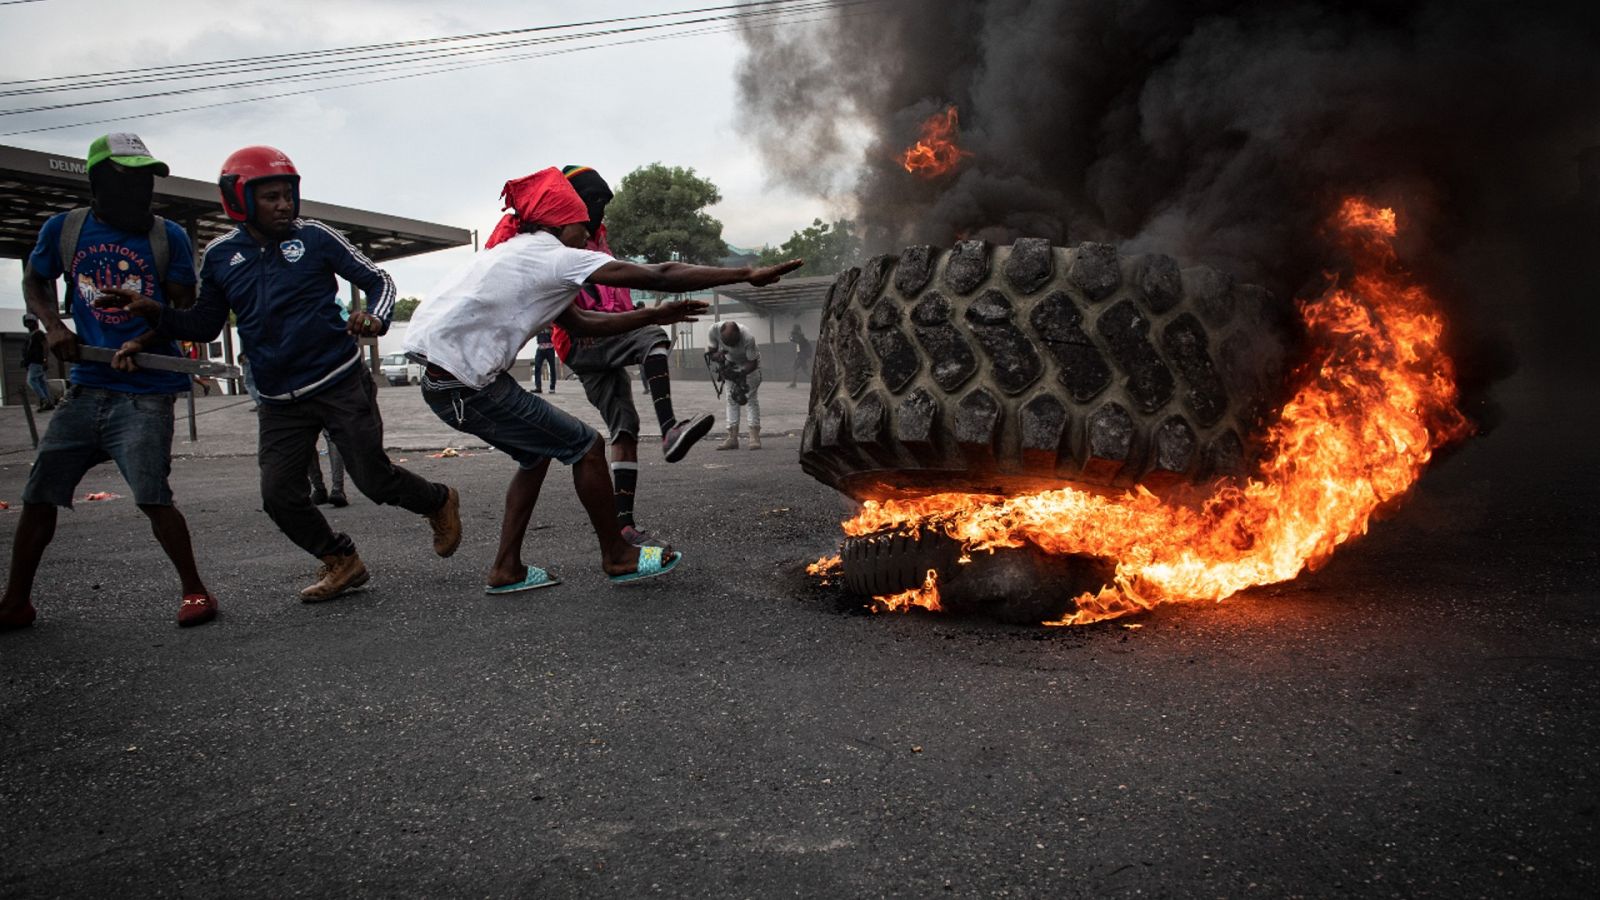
(320, 493)
(734, 349)
(802, 354)
(544, 354)
(117, 244)
(33, 361)
(277, 273)
(192, 350)
(249, 380)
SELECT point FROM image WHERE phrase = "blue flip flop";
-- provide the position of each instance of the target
(651, 564)
(537, 578)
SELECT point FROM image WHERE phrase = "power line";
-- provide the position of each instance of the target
(388, 60)
(429, 70)
(367, 65)
(270, 61)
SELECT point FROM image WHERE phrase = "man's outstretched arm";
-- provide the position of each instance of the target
(201, 322)
(588, 323)
(680, 278)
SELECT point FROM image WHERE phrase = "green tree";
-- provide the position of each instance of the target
(659, 215)
(827, 249)
(404, 307)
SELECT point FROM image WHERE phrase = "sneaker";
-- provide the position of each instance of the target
(446, 522)
(338, 500)
(338, 575)
(197, 609)
(680, 437)
(639, 537)
(537, 391)
(319, 496)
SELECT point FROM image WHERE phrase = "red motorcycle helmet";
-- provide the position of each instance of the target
(248, 166)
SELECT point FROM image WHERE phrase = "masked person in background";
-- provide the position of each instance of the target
(601, 365)
(802, 354)
(734, 350)
(117, 244)
(277, 273)
(470, 329)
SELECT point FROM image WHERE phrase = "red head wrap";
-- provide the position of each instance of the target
(543, 198)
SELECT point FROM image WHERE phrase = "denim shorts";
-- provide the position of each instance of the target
(94, 425)
(600, 365)
(510, 419)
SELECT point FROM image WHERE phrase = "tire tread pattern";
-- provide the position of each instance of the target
(1011, 368)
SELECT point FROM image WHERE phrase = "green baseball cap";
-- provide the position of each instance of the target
(125, 149)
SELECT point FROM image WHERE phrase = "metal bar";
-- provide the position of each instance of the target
(157, 362)
(193, 434)
(33, 429)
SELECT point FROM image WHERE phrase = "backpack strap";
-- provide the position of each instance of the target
(71, 230)
(160, 249)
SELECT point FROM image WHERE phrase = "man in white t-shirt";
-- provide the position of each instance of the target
(470, 329)
(735, 351)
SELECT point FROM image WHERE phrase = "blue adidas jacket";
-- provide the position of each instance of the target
(286, 300)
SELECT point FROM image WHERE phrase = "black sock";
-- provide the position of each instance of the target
(655, 375)
(624, 479)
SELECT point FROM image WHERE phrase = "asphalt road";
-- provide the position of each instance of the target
(1418, 718)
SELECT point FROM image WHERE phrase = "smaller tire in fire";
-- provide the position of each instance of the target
(1016, 585)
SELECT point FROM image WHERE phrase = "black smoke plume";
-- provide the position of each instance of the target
(1221, 133)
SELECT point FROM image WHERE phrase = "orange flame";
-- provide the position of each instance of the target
(935, 153)
(1379, 398)
(925, 597)
(828, 565)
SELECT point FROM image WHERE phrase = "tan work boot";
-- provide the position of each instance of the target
(338, 575)
(446, 523)
(731, 442)
(755, 439)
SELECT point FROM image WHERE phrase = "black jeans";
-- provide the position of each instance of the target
(544, 356)
(348, 411)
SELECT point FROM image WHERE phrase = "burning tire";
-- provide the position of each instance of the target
(1013, 369)
(1022, 585)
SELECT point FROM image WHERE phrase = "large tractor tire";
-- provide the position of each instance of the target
(1013, 369)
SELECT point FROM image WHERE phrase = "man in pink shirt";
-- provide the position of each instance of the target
(601, 365)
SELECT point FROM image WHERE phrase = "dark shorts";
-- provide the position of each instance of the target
(96, 425)
(600, 363)
(510, 419)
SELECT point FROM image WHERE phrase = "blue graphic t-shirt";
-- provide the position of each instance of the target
(110, 257)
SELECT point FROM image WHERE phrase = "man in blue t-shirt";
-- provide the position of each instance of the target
(123, 417)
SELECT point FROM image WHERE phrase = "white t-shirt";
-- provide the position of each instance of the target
(743, 351)
(477, 319)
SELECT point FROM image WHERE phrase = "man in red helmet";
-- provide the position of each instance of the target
(116, 244)
(276, 273)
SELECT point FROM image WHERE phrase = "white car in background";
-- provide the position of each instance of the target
(398, 370)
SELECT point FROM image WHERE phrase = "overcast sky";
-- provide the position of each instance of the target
(436, 148)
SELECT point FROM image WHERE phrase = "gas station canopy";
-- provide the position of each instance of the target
(35, 186)
(791, 295)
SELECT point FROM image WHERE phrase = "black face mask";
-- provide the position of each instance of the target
(122, 197)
